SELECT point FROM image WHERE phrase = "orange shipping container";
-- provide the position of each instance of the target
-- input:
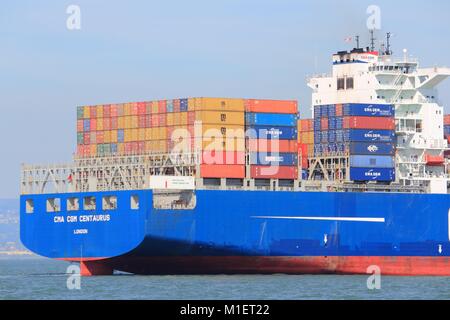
(80, 125)
(262, 145)
(447, 119)
(222, 171)
(271, 106)
(86, 112)
(305, 125)
(222, 104)
(378, 123)
(221, 117)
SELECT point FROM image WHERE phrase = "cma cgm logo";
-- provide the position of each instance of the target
(373, 110)
(372, 148)
(372, 135)
(372, 174)
(274, 132)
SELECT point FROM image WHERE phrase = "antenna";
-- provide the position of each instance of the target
(357, 42)
(372, 40)
(388, 43)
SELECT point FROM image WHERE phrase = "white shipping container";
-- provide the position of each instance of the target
(172, 182)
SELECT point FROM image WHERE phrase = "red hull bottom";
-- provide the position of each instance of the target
(398, 266)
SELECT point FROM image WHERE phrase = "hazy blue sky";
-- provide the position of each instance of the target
(143, 50)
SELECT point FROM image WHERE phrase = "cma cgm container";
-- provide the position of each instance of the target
(365, 135)
(368, 110)
(372, 148)
(369, 161)
(271, 119)
(272, 132)
(372, 174)
(274, 159)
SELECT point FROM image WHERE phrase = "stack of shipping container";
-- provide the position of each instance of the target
(271, 128)
(215, 127)
(366, 132)
(305, 144)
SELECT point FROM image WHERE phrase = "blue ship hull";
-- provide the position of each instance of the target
(248, 232)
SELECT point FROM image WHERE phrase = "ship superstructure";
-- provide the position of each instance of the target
(377, 77)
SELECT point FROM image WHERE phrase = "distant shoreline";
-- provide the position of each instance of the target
(16, 253)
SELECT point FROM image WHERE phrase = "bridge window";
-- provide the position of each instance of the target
(89, 203)
(134, 202)
(341, 83)
(73, 204)
(29, 206)
(53, 205)
(350, 83)
(109, 203)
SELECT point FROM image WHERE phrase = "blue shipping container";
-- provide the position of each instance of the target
(183, 105)
(372, 174)
(317, 113)
(367, 135)
(271, 119)
(332, 111)
(371, 148)
(332, 123)
(446, 130)
(87, 125)
(324, 137)
(368, 110)
(331, 136)
(272, 132)
(280, 159)
(360, 161)
(339, 123)
(120, 136)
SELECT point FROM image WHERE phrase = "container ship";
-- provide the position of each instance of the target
(247, 186)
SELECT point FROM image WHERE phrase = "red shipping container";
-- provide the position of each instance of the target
(378, 123)
(93, 125)
(271, 106)
(100, 137)
(263, 145)
(142, 121)
(106, 111)
(303, 150)
(324, 124)
(155, 120)
(222, 157)
(141, 108)
(140, 147)
(162, 120)
(304, 163)
(148, 121)
(176, 105)
(191, 117)
(162, 105)
(134, 108)
(305, 125)
(87, 138)
(80, 125)
(222, 171)
(273, 172)
(114, 123)
(106, 123)
(447, 120)
(128, 148)
(114, 111)
(120, 110)
(339, 111)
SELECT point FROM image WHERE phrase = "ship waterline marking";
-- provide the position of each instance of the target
(350, 219)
